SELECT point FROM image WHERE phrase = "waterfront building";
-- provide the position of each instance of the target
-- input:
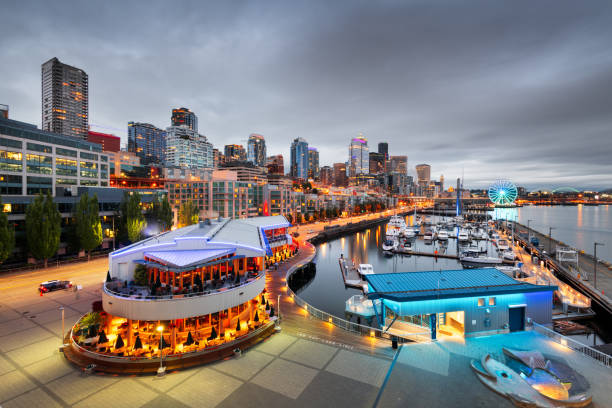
(466, 302)
(187, 148)
(235, 152)
(279, 199)
(340, 177)
(184, 117)
(147, 142)
(423, 174)
(256, 153)
(109, 142)
(193, 293)
(275, 164)
(299, 159)
(377, 163)
(399, 164)
(383, 148)
(127, 171)
(65, 99)
(313, 163)
(327, 175)
(34, 161)
(359, 158)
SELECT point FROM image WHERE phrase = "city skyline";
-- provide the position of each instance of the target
(487, 108)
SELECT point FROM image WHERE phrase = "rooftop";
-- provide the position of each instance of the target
(407, 286)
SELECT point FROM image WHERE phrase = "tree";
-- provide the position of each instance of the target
(289, 218)
(162, 212)
(7, 237)
(88, 225)
(132, 219)
(140, 275)
(188, 214)
(43, 227)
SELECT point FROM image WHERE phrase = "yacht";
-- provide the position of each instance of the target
(502, 245)
(404, 248)
(475, 248)
(463, 236)
(443, 235)
(392, 233)
(508, 256)
(395, 226)
(475, 259)
(408, 233)
(365, 269)
(428, 237)
(390, 245)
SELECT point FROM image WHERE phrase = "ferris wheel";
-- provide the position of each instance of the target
(502, 192)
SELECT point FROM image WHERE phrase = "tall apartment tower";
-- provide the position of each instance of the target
(184, 117)
(313, 163)
(235, 152)
(65, 99)
(359, 155)
(147, 142)
(383, 148)
(256, 150)
(299, 159)
(423, 174)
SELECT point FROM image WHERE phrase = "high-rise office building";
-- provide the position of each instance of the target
(313, 163)
(340, 177)
(299, 158)
(326, 175)
(399, 164)
(275, 164)
(256, 150)
(384, 149)
(377, 163)
(147, 142)
(235, 152)
(184, 117)
(65, 99)
(423, 174)
(187, 148)
(110, 143)
(359, 157)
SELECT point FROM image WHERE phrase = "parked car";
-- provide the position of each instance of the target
(50, 286)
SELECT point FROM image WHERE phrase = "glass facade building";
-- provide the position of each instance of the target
(313, 163)
(256, 150)
(299, 159)
(359, 157)
(147, 142)
(187, 148)
(184, 117)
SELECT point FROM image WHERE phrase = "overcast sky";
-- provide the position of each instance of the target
(513, 89)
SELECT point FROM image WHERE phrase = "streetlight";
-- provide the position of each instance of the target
(550, 239)
(161, 370)
(61, 309)
(595, 262)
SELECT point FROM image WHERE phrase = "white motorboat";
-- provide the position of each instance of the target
(509, 256)
(365, 269)
(392, 232)
(443, 235)
(463, 236)
(404, 248)
(390, 245)
(476, 259)
(502, 245)
(428, 237)
(475, 248)
(408, 233)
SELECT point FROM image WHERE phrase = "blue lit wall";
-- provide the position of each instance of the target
(538, 307)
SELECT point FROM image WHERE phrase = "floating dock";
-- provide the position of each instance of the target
(350, 276)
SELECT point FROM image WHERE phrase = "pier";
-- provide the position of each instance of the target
(350, 275)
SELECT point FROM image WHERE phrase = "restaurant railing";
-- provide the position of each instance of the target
(342, 323)
(241, 284)
(602, 358)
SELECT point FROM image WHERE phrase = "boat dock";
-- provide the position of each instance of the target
(351, 276)
(418, 253)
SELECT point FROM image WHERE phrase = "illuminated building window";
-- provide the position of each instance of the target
(481, 302)
(492, 301)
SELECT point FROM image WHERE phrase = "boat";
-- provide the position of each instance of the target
(443, 235)
(395, 226)
(404, 248)
(408, 233)
(502, 245)
(508, 256)
(463, 236)
(390, 245)
(476, 248)
(365, 269)
(476, 259)
(428, 237)
(392, 233)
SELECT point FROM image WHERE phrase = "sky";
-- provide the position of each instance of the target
(489, 89)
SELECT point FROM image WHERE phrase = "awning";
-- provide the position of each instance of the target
(185, 258)
(188, 268)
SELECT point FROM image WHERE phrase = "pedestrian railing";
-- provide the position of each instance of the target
(345, 324)
(602, 358)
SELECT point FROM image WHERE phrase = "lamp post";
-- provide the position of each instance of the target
(61, 309)
(550, 239)
(161, 370)
(595, 262)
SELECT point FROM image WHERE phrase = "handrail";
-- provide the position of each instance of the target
(601, 357)
(342, 323)
(181, 296)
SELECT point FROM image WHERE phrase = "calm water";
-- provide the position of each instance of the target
(577, 226)
(327, 292)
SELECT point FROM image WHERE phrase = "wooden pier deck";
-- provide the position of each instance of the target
(350, 275)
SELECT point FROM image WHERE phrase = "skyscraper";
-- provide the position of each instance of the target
(184, 117)
(399, 164)
(340, 178)
(276, 164)
(359, 158)
(187, 148)
(384, 149)
(423, 174)
(147, 142)
(256, 150)
(235, 152)
(299, 158)
(377, 163)
(327, 175)
(65, 99)
(313, 163)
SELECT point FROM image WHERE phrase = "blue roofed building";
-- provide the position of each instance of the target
(464, 302)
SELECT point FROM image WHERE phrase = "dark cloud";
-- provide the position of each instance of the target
(483, 88)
